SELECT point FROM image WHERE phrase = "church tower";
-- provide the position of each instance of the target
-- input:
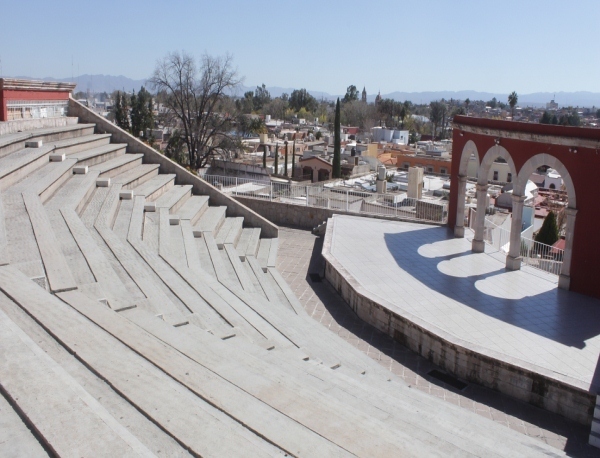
(364, 95)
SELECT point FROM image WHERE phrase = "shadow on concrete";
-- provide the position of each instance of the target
(524, 416)
(563, 316)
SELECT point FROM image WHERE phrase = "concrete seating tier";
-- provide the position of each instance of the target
(151, 323)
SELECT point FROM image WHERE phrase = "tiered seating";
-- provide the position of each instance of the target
(166, 328)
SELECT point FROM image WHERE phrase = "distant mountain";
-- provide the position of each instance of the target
(98, 83)
(109, 83)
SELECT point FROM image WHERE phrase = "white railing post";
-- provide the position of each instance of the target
(271, 192)
(347, 198)
(236, 186)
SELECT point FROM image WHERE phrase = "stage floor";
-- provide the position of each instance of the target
(423, 273)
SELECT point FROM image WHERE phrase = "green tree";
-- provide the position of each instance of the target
(492, 103)
(513, 98)
(598, 114)
(293, 158)
(437, 115)
(141, 112)
(546, 118)
(285, 167)
(264, 156)
(301, 98)
(261, 97)
(548, 233)
(276, 163)
(467, 103)
(122, 111)
(351, 94)
(337, 143)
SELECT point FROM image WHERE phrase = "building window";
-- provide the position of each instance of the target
(443, 171)
(509, 177)
(495, 178)
(406, 165)
(429, 169)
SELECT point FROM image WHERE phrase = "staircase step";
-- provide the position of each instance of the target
(210, 221)
(223, 232)
(4, 259)
(253, 242)
(79, 144)
(55, 264)
(242, 244)
(55, 402)
(99, 154)
(14, 142)
(193, 208)
(155, 187)
(272, 259)
(174, 198)
(118, 165)
(136, 176)
(263, 253)
(235, 231)
(240, 271)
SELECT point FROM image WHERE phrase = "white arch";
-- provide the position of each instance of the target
(545, 159)
(492, 154)
(468, 150)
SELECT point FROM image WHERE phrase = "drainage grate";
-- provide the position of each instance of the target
(315, 278)
(448, 379)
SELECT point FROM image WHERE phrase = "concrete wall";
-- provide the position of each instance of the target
(301, 216)
(454, 355)
(23, 125)
(183, 176)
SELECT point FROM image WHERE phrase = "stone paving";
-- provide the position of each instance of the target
(299, 259)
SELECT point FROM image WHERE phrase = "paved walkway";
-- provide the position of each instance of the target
(299, 258)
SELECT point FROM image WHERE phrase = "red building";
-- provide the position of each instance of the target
(29, 99)
(574, 152)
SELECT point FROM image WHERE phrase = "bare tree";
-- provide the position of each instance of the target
(196, 95)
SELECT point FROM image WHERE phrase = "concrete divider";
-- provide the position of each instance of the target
(183, 176)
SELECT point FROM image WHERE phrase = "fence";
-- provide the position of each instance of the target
(332, 197)
(534, 254)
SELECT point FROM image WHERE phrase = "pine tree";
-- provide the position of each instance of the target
(337, 155)
(265, 157)
(276, 164)
(548, 233)
(122, 111)
(286, 159)
(293, 159)
(135, 116)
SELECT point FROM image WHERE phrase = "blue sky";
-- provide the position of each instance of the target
(426, 45)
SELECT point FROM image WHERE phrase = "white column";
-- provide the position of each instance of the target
(459, 228)
(478, 245)
(564, 280)
(513, 260)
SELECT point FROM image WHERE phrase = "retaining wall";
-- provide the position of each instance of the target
(301, 216)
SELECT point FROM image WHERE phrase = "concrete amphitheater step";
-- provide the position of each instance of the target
(99, 154)
(195, 303)
(46, 180)
(115, 292)
(19, 164)
(221, 234)
(77, 145)
(210, 221)
(235, 231)
(263, 253)
(118, 165)
(56, 267)
(240, 270)
(286, 291)
(14, 142)
(266, 282)
(396, 426)
(253, 242)
(174, 198)
(189, 418)
(4, 259)
(242, 244)
(51, 403)
(193, 208)
(136, 176)
(155, 187)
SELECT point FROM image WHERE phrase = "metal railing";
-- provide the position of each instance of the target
(333, 196)
(534, 254)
